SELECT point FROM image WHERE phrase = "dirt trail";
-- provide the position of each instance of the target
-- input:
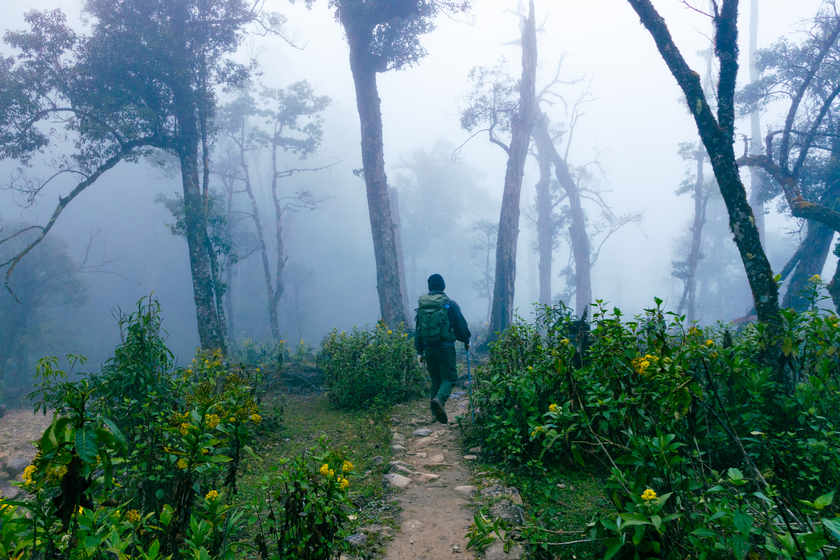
(435, 516)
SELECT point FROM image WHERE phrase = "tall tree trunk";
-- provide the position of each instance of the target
(717, 133)
(195, 221)
(577, 229)
(812, 253)
(219, 287)
(811, 256)
(543, 187)
(279, 245)
(501, 314)
(690, 292)
(271, 306)
(395, 213)
(755, 128)
(189, 104)
(376, 183)
(229, 271)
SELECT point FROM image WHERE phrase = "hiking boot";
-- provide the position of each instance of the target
(438, 411)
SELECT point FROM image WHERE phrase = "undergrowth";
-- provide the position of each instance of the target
(705, 449)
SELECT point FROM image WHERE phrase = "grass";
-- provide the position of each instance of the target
(291, 426)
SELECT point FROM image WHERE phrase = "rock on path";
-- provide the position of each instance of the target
(18, 429)
(435, 517)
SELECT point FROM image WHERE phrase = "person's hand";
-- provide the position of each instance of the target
(467, 346)
(421, 359)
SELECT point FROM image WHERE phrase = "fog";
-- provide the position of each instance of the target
(632, 125)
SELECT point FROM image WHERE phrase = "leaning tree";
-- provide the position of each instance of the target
(717, 131)
(802, 154)
(499, 104)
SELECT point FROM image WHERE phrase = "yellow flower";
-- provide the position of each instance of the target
(815, 279)
(185, 429)
(347, 466)
(212, 420)
(256, 418)
(325, 470)
(564, 342)
(211, 495)
(132, 516)
(640, 365)
(182, 463)
(80, 509)
(552, 408)
(189, 371)
(232, 419)
(56, 474)
(343, 483)
(648, 495)
(710, 342)
(28, 472)
(389, 332)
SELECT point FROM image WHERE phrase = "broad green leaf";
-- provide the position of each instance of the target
(87, 445)
(613, 546)
(813, 541)
(702, 532)
(832, 525)
(824, 500)
(166, 514)
(742, 522)
(734, 474)
(656, 520)
(154, 549)
(118, 435)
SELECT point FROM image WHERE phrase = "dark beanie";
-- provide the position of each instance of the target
(436, 283)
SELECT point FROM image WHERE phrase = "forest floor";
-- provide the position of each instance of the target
(418, 489)
(419, 482)
(436, 503)
(18, 429)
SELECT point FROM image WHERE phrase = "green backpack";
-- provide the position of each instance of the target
(433, 319)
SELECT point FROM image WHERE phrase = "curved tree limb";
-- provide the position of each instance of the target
(799, 207)
(62, 203)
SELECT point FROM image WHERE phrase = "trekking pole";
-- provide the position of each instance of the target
(469, 380)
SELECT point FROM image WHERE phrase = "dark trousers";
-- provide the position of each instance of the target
(440, 360)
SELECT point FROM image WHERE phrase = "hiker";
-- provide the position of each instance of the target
(439, 323)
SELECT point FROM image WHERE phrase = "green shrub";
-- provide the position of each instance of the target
(709, 450)
(141, 459)
(370, 366)
(268, 354)
(307, 508)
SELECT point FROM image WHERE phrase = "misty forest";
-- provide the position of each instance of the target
(226, 332)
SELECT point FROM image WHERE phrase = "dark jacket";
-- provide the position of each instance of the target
(456, 320)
